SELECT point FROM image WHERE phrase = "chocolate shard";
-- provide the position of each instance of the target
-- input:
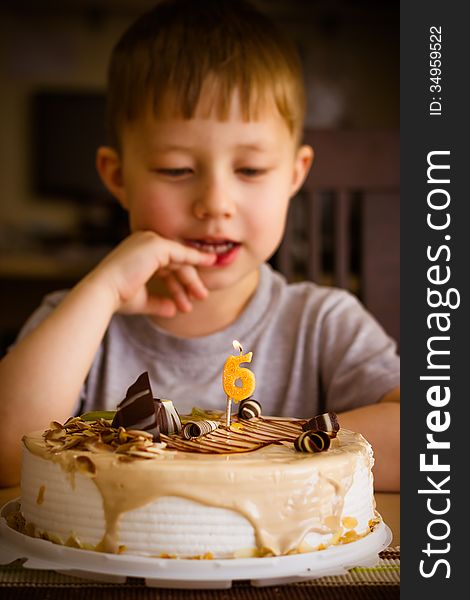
(137, 410)
(249, 409)
(313, 441)
(326, 422)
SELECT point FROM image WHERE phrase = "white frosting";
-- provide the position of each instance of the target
(168, 525)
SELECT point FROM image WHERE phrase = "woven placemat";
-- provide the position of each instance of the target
(379, 582)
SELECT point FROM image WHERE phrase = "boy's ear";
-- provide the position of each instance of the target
(303, 162)
(109, 167)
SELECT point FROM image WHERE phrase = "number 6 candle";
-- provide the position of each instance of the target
(233, 372)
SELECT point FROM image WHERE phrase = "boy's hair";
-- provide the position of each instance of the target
(167, 55)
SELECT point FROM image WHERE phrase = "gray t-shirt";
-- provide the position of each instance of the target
(314, 349)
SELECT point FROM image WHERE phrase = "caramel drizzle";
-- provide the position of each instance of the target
(253, 435)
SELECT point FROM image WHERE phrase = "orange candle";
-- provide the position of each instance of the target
(232, 373)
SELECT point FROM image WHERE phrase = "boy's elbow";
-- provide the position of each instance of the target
(10, 466)
(9, 478)
(387, 450)
(387, 479)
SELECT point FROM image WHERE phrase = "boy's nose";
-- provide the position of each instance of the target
(214, 202)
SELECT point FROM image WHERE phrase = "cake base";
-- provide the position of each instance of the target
(189, 574)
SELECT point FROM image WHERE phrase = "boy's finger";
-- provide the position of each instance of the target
(161, 307)
(178, 293)
(190, 279)
(184, 254)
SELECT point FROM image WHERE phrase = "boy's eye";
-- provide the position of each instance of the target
(174, 172)
(251, 172)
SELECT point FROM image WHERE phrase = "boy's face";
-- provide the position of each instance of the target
(220, 186)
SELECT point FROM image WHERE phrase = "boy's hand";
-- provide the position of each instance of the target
(144, 254)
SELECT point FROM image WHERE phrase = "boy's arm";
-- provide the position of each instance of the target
(380, 425)
(41, 377)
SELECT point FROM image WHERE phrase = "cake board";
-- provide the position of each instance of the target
(184, 573)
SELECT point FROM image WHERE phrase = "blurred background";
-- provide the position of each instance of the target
(56, 219)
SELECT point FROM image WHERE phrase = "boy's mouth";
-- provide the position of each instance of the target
(213, 247)
(225, 250)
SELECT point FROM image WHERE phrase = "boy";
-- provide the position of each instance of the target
(205, 111)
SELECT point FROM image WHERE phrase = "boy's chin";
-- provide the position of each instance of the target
(220, 279)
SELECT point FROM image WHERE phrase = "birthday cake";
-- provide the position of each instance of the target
(145, 480)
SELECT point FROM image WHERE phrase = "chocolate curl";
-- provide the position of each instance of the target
(313, 441)
(168, 419)
(195, 429)
(137, 410)
(249, 409)
(327, 422)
